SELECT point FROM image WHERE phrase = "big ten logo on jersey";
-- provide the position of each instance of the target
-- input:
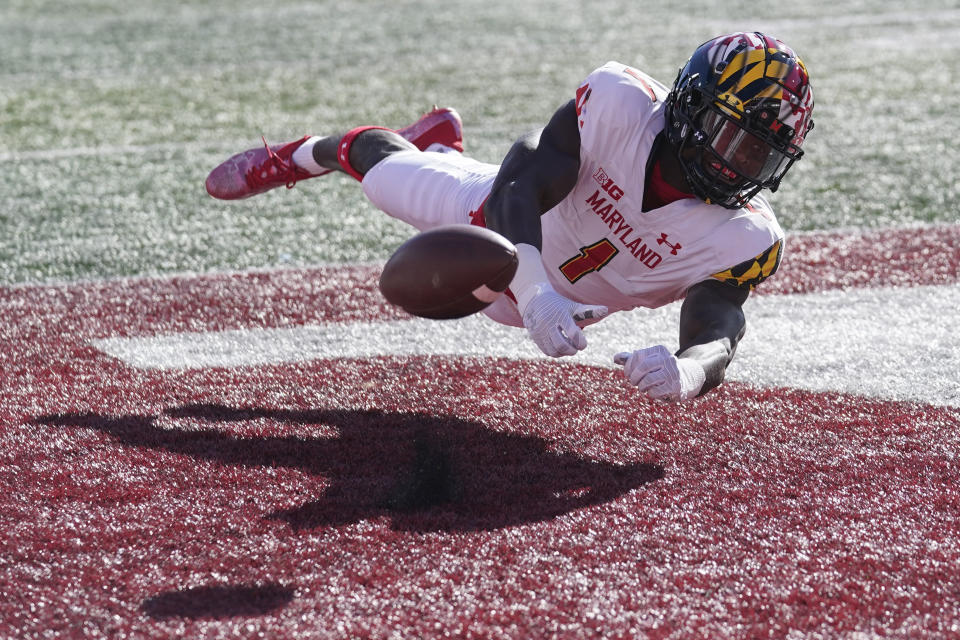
(607, 184)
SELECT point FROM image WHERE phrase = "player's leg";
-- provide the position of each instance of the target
(264, 168)
(428, 190)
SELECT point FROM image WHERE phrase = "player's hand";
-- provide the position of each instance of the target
(660, 375)
(554, 321)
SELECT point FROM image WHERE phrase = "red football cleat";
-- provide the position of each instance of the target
(441, 125)
(268, 167)
(255, 171)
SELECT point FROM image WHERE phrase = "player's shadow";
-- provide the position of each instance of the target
(219, 601)
(427, 473)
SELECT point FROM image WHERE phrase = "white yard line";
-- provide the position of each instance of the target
(895, 343)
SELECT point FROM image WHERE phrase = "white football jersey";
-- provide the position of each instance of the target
(600, 247)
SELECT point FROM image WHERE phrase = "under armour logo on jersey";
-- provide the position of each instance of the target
(674, 248)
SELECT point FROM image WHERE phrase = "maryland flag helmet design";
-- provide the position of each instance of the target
(738, 114)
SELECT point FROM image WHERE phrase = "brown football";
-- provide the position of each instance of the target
(449, 272)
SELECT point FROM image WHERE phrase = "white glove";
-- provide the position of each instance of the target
(551, 320)
(660, 375)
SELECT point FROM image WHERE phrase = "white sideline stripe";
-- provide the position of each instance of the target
(895, 343)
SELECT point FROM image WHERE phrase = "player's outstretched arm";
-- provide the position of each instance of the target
(538, 172)
(711, 325)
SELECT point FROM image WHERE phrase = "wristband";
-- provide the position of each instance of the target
(531, 277)
(692, 377)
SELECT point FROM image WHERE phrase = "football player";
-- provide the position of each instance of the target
(633, 195)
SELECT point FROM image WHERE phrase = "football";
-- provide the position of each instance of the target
(449, 272)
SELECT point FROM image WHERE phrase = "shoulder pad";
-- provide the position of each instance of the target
(749, 273)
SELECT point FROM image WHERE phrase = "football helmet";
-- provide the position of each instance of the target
(737, 115)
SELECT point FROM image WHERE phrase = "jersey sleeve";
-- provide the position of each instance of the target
(749, 273)
(612, 100)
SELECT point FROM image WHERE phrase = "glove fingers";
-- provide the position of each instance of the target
(548, 344)
(553, 343)
(551, 321)
(650, 382)
(572, 333)
(660, 375)
(576, 338)
(593, 313)
(561, 344)
(646, 377)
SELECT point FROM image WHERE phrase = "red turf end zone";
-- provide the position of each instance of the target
(431, 497)
(494, 499)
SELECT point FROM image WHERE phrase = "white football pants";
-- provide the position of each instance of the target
(427, 189)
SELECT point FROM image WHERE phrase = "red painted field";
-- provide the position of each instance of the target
(428, 496)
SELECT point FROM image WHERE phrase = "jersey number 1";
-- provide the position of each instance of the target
(592, 258)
